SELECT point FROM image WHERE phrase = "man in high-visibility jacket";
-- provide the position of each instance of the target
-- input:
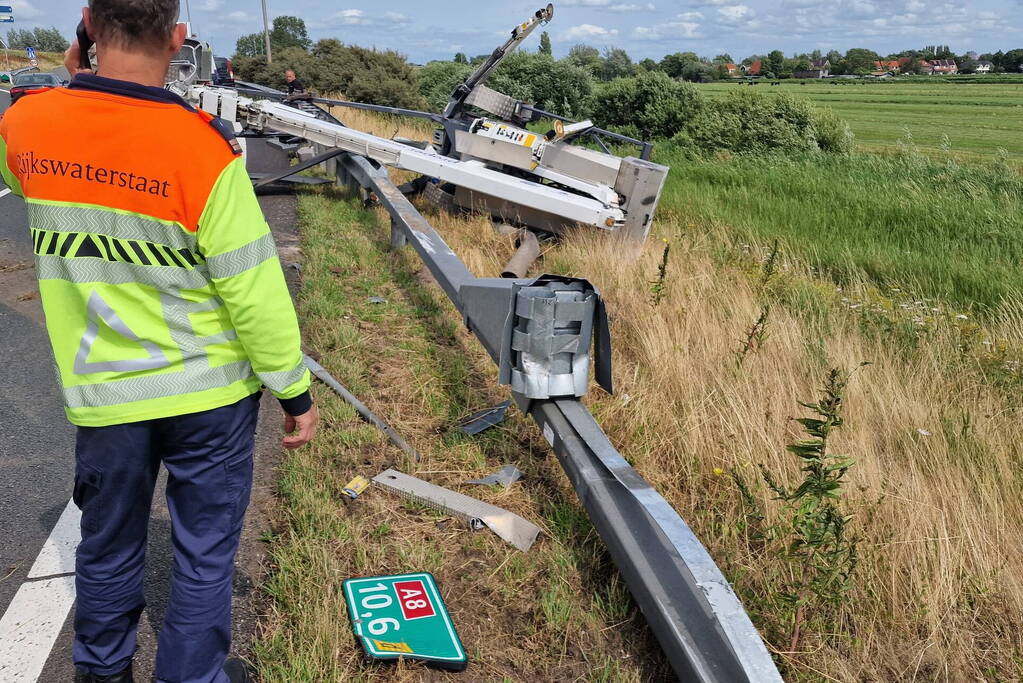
(167, 311)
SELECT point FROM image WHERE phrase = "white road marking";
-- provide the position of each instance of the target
(31, 625)
(58, 553)
(4, 193)
(34, 619)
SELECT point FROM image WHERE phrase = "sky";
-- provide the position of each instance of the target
(427, 30)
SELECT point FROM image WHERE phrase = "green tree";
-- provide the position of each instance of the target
(359, 74)
(649, 65)
(697, 72)
(250, 45)
(289, 31)
(545, 44)
(651, 105)
(1012, 61)
(860, 61)
(616, 64)
(437, 80)
(586, 57)
(724, 58)
(674, 64)
(775, 62)
(42, 39)
(460, 58)
(557, 86)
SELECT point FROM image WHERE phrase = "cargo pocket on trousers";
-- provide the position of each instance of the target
(87, 496)
(239, 486)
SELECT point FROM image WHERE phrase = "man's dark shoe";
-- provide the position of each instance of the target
(122, 677)
(238, 671)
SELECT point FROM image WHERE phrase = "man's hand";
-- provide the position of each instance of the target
(305, 425)
(72, 59)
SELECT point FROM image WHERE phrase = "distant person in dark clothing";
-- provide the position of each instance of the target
(295, 86)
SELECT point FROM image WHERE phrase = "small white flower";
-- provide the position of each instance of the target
(961, 317)
(923, 432)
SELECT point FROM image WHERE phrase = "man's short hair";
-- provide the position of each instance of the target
(134, 24)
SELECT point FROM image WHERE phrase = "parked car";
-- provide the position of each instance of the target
(223, 74)
(29, 83)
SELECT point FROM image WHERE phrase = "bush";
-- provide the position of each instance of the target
(356, 73)
(652, 105)
(437, 80)
(559, 87)
(746, 122)
(256, 70)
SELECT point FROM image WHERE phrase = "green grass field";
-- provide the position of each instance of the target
(978, 117)
(948, 231)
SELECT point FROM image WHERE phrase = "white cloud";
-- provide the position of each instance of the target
(610, 5)
(734, 14)
(588, 32)
(350, 17)
(23, 9)
(396, 17)
(239, 16)
(209, 5)
(668, 31)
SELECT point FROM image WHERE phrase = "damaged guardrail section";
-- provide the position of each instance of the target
(540, 332)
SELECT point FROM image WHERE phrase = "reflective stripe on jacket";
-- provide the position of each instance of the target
(158, 274)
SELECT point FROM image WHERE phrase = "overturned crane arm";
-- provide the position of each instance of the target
(478, 77)
(599, 208)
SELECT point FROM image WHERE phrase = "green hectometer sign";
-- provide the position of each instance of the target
(404, 616)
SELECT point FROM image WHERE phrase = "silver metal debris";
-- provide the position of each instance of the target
(475, 513)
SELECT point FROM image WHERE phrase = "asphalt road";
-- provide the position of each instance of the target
(37, 447)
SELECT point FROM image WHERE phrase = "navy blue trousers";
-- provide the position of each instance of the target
(208, 457)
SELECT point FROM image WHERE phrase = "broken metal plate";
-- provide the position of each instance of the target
(509, 526)
(506, 476)
(404, 617)
(484, 419)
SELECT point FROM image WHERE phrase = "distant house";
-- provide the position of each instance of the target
(754, 69)
(812, 73)
(733, 70)
(943, 66)
(984, 67)
(823, 64)
(893, 66)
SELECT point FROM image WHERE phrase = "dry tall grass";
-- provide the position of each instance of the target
(935, 488)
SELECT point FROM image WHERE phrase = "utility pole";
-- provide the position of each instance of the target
(266, 33)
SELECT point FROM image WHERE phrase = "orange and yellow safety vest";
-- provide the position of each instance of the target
(158, 275)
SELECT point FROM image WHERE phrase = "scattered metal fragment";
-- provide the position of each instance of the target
(484, 419)
(475, 513)
(356, 487)
(506, 476)
(361, 408)
(376, 300)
